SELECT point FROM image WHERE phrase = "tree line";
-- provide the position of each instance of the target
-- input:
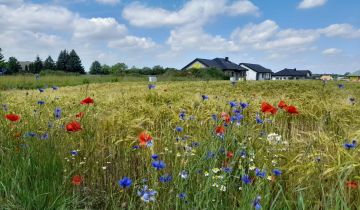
(121, 69)
(67, 62)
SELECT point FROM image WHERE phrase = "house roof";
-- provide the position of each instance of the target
(292, 72)
(220, 63)
(356, 73)
(256, 67)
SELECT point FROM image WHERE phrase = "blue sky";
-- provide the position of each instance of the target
(320, 35)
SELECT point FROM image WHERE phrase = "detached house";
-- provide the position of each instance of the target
(230, 69)
(256, 72)
(292, 74)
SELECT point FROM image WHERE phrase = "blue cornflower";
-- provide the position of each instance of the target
(165, 178)
(237, 111)
(227, 169)
(5, 107)
(41, 90)
(210, 155)
(259, 120)
(136, 147)
(184, 174)
(205, 97)
(30, 134)
(195, 144)
(158, 164)
(57, 113)
(237, 117)
(256, 203)
(243, 153)
(260, 173)
(45, 136)
(244, 105)
(341, 86)
(182, 195)
(151, 86)
(246, 179)
(182, 115)
(74, 153)
(41, 102)
(154, 156)
(125, 182)
(214, 117)
(146, 194)
(179, 129)
(350, 145)
(55, 87)
(233, 104)
(277, 172)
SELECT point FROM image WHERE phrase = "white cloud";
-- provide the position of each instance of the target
(331, 51)
(132, 42)
(110, 2)
(11, 2)
(255, 33)
(193, 37)
(242, 8)
(35, 17)
(194, 11)
(341, 30)
(307, 4)
(98, 28)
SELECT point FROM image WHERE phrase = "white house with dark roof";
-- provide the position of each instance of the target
(292, 74)
(230, 69)
(256, 71)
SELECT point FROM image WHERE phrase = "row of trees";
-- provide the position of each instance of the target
(67, 62)
(122, 68)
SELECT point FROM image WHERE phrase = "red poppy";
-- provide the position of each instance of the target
(87, 101)
(225, 116)
(144, 138)
(229, 154)
(73, 126)
(352, 184)
(292, 110)
(267, 108)
(282, 105)
(76, 180)
(220, 130)
(80, 115)
(12, 117)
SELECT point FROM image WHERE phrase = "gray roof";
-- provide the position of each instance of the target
(356, 73)
(220, 63)
(293, 72)
(257, 68)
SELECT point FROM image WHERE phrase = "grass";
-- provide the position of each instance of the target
(36, 173)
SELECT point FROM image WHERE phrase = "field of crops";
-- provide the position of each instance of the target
(181, 145)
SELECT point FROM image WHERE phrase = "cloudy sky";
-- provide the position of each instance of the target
(320, 35)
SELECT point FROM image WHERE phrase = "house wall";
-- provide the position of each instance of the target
(237, 75)
(264, 76)
(250, 75)
(196, 65)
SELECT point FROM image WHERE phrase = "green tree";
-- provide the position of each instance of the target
(105, 69)
(74, 63)
(13, 66)
(118, 68)
(95, 68)
(38, 65)
(2, 61)
(49, 63)
(62, 60)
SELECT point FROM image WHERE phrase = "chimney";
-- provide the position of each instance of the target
(226, 58)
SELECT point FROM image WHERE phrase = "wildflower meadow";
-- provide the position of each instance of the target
(181, 145)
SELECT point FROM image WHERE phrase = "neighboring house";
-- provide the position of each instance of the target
(256, 72)
(24, 63)
(355, 76)
(290, 74)
(326, 77)
(230, 69)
